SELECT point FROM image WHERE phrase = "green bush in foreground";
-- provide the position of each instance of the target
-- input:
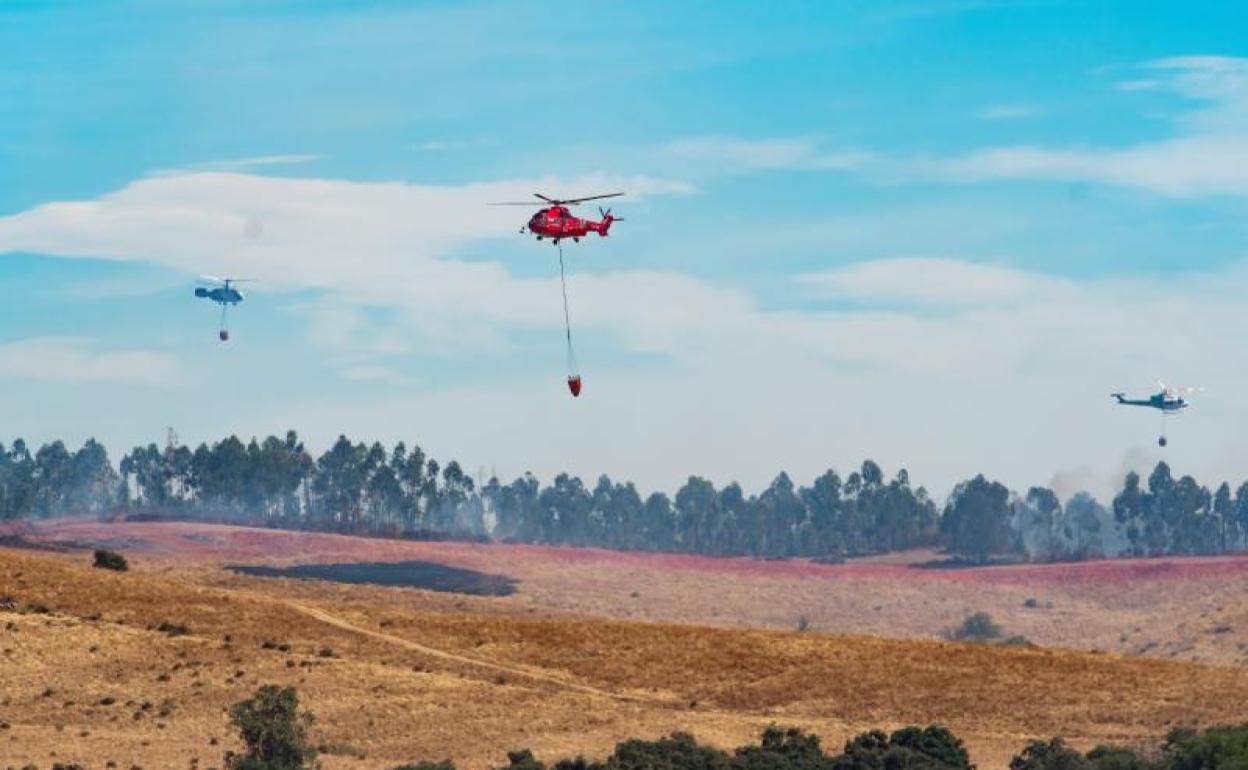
(1051, 755)
(1116, 758)
(274, 732)
(912, 748)
(1218, 748)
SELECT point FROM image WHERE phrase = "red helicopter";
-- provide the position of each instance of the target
(555, 220)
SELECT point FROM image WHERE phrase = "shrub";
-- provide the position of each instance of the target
(1116, 758)
(173, 629)
(911, 748)
(978, 627)
(273, 730)
(1217, 747)
(1049, 755)
(105, 559)
(523, 760)
(914, 748)
(679, 751)
(781, 748)
(803, 624)
(1031, 603)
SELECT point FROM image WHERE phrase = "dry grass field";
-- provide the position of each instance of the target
(1179, 609)
(587, 652)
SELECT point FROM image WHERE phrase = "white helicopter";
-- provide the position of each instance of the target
(1170, 399)
(223, 292)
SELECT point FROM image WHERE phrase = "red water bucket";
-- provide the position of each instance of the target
(224, 334)
(574, 384)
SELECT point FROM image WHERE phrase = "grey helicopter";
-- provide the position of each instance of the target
(1169, 400)
(223, 292)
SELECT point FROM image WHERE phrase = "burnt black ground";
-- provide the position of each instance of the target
(403, 574)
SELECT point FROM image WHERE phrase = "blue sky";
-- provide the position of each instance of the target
(935, 233)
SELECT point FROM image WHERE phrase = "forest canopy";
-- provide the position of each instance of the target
(402, 492)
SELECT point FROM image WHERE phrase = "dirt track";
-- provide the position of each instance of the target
(519, 672)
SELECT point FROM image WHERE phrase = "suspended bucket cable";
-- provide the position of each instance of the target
(224, 333)
(574, 373)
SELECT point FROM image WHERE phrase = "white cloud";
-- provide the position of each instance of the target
(388, 247)
(1011, 377)
(315, 232)
(1140, 84)
(1007, 326)
(1207, 156)
(932, 281)
(74, 360)
(368, 245)
(258, 161)
(1187, 167)
(245, 164)
(971, 366)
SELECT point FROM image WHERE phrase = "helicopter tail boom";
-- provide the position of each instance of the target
(603, 227)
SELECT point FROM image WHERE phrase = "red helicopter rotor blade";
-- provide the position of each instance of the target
(574, 201)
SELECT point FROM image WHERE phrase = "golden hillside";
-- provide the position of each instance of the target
(397, 675)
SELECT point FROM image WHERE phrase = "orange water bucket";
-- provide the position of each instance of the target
(574, 384)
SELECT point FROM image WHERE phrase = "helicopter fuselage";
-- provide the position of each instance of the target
(557, 222)
(1162, 401)
(223, 295)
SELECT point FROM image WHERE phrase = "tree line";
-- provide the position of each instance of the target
(275, 734)
(360, 488)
